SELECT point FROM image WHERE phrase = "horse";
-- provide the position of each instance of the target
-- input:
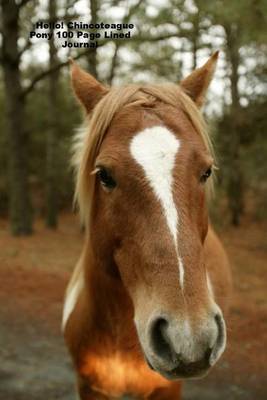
(145, 306)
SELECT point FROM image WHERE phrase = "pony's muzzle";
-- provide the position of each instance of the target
(178, 350)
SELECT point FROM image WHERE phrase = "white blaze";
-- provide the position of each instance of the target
(155, 149)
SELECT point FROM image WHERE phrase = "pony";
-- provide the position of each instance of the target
(146, 303)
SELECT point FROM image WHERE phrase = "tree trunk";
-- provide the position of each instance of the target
(19, 200)
(114, 63)
(52, 180)
(235, 178)
(92, 55)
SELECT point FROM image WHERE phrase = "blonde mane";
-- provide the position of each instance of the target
(89, 139)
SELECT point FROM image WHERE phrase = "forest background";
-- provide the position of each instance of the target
(38, 113)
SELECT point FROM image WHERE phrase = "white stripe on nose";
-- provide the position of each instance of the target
(155, 149)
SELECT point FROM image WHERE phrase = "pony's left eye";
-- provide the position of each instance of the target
(206, 175)
(105, 178)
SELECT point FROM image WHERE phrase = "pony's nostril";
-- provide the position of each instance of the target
(220, 325)
(159, 338)
(207, 354)
(220, 341)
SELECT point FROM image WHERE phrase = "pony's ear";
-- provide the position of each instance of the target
(197, 83)
(87, 89)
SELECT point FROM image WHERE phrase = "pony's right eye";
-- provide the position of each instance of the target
(204, 177)
(105, 178)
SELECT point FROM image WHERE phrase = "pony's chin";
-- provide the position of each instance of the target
(177, 374)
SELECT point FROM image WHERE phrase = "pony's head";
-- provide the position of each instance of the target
(141, 177)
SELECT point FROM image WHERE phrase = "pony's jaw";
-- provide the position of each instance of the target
(179, 349)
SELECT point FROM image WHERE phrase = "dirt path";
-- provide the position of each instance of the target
(33, 360)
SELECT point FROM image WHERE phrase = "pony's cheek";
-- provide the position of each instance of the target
(202, 216)
(127, 269)
(203, 225)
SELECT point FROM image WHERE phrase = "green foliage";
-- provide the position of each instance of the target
(252, 125)
(68, 117)
(37, 123)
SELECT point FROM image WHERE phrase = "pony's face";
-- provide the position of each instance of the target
(149, 219)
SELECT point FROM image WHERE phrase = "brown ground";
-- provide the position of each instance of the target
(33, 274)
